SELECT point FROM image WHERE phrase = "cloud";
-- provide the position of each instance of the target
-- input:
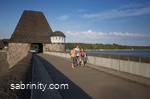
(63, 17)
(95, 35)
(123, 38)
(116, 13)
(81, 10)
(131, 5)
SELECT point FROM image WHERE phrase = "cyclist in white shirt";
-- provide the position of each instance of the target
(77, 50)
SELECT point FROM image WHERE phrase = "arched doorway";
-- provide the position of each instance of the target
(38, 47)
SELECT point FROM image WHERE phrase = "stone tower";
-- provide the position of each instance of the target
(32, 28)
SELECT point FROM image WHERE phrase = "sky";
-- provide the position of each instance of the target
(124, 22)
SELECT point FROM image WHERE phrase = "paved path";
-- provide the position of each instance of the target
(87, 83)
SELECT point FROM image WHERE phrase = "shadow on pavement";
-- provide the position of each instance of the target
(74, 91)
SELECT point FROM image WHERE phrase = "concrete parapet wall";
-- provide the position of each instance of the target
(17, 51)
(128, 66)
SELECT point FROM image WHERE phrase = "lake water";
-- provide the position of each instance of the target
(122, 52)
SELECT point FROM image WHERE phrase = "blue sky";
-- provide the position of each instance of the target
(125, 22)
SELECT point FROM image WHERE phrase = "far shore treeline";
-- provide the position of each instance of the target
(97, 46)
(5, 41)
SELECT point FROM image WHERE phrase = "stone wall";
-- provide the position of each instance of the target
(3, 62)
(53, 47)
(17, 51)
(19, 72)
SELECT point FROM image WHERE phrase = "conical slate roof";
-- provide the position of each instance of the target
(32, 28)
(58, 33)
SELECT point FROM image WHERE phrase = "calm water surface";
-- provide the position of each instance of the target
(122, 52)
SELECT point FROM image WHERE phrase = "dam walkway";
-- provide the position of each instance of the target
(88, 83)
